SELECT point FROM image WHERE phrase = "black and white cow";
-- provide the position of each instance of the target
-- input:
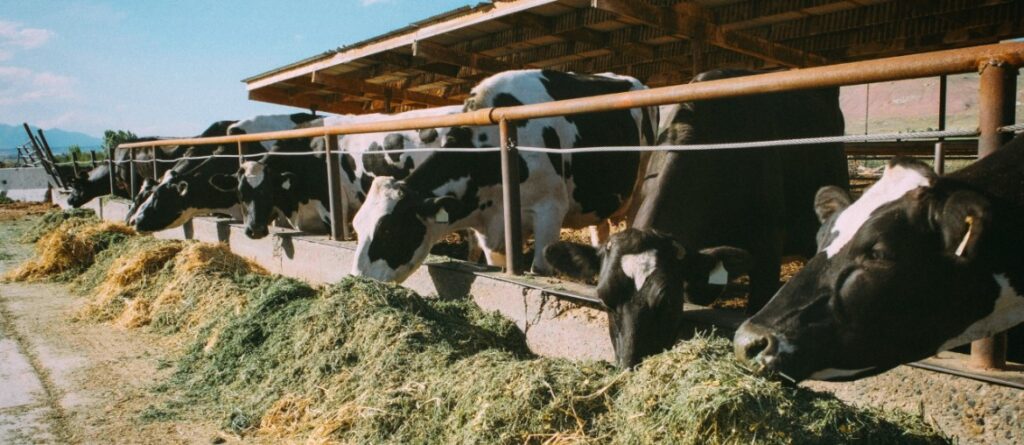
(186, 191)
(402, 219)
(296, 186)
(756, 199)
(919, 264)
(96, 182)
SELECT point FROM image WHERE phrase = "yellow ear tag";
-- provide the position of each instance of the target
(441, 216)
(967, 236)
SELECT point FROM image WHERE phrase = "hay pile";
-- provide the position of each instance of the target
(69, 248)
(53, 219)
(173, 285)
(365, 362)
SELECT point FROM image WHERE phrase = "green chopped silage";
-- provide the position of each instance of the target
(365, 362)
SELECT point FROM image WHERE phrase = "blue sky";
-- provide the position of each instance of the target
(168, 67)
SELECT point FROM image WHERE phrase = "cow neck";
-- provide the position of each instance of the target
(1000, 178)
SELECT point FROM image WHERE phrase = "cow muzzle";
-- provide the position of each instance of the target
(257, 233)
(757, 345)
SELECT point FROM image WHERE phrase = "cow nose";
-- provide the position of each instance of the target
(256, 233)
(755, 343)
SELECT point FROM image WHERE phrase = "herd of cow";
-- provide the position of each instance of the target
(916, 265)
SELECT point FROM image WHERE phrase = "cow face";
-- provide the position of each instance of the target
(898, 278)
(165, 206)
(256, 184)
(396, 227)
(80, 191)
(644, 278)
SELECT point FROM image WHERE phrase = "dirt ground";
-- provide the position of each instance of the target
(77, 382)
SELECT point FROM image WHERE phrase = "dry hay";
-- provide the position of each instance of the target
(53, 219)
(16, 210)
(174, 285)
(365, 362)
(69, 249)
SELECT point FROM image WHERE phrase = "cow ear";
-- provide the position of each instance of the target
(724, 263)
(963, 220)
(578, 261)
(440, 209)
(183, 188)
(830, 200)
(223, 182)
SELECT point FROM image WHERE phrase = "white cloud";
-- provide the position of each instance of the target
(14, 35)
(371, 2)
(22, 85)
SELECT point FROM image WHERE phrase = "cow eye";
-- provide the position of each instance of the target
(878, 252)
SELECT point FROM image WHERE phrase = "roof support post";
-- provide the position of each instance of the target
(338, 199)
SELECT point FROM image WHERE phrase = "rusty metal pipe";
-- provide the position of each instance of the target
(995, 109)
(339, 214)
(510, 198)
(894, 68)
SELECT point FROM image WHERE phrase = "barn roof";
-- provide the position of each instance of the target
(437, 60)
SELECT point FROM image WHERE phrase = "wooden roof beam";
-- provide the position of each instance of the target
(477, 62)
(690, 23)
(309, 101)
(363, 88)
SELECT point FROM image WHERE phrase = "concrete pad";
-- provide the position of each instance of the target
(20, 385)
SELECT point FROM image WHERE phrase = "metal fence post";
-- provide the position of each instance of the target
(131, 172)
(995, 109)
(156, 156)
(74, 163)
(510, 198)
(338, 208)
(110, 169)
(940, 158)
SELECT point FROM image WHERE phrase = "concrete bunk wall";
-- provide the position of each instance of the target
(553, 327)
(25, 184)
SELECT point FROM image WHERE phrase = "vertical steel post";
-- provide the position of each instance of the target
(995, 109)
(338, 209)
(54, 180)
(92, 158)
(111, 169)
(156, 156)
(131, 172)
(510, 198)
(74, 163)
(940, 158)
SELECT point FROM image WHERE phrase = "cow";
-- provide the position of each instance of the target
(96, 182)
(296, 186)
(185, 190)
(693, 203)
(917, 265)
(401, 219)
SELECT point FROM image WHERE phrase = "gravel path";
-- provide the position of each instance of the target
(970, 411)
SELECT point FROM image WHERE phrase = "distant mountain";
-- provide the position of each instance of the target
(12, 136)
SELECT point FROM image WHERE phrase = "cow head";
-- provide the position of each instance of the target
(165, 205)
(396, 227)
(899, 276)
(81, 190)
(257, 185)
(644, 277)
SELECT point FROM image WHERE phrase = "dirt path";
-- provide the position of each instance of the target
(76, 382)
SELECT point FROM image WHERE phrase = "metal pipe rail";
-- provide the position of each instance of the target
(894, 68)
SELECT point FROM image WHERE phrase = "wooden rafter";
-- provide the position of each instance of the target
(362, 88)
(690, 25)
(475, 61)
(332, 103)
